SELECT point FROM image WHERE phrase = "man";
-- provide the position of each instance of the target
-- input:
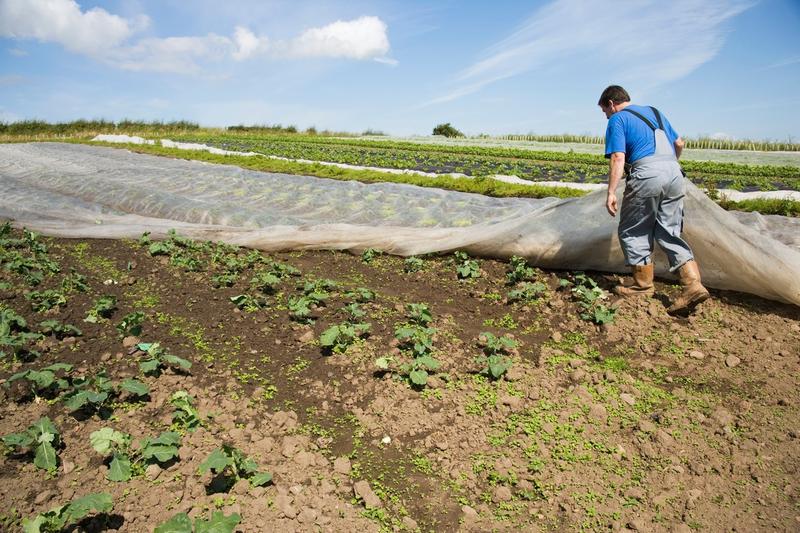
(641, 140)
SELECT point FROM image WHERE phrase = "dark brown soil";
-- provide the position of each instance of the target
(650, 423)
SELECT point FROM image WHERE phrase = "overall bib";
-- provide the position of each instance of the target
(652, 206)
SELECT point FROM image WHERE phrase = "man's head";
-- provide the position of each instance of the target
(613, 99)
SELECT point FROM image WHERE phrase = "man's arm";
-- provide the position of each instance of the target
(616, 170)
(678, 147)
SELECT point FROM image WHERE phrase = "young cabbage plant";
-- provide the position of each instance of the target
(101, 310)
(58, 518)
(413, 264)
(156, 359)
(519, 270)
(218, 523)
(42, 438)
(185, 417)
(339, 338)
(44, 382)
(419, 314)
(527, 292)
(131, 324)
(125, 461)
(58, 330)
(233, 464)
(466, 268)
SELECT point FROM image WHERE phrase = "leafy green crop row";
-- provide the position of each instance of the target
(482, 161)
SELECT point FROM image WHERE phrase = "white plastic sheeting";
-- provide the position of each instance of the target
(87, 191)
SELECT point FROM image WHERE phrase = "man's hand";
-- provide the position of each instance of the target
(615, 172)
(611, 203)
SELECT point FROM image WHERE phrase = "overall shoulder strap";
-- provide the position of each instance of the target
(658, 117)
(631, 111)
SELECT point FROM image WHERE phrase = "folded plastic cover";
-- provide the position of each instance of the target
(72, 190)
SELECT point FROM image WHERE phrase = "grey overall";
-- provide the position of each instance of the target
(652, 206)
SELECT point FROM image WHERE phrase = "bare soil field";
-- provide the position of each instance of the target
(478, 409)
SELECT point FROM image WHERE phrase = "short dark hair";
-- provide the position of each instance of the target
(615, 93)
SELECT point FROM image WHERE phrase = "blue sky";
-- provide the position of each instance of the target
(715, 67)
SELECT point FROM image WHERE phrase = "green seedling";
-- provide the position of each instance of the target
(340, 337)
(360, 295)
(466, 268)
(415, 339)
(369, 254)
(495, 360)
(233, 464)
(248, 302)
(58, 518)
(226, 279)
(43, 438)
(15, 339)
(18, 345)
(156, 359)
(494, 366)
(44, 382)
(125, 460)
(413, 264)
(254, 257)
(265, 282)
(185, 416)
(102, 309)
(183, 259)
(181, 523)
(419, 314)
(300, 308)
(354, 311)
(42, 301)
(131, 324)
(318, 290)
(519, 271)
(10, 322)
(527, 292)
(234, 265)
(282, 270)
(59, 330)
(416, 371)
(590, 298)
(135, 387)
(74, 282)
(91, 393)
(493, 345)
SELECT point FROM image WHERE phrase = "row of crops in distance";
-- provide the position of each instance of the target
(483, 161)
(701, 143)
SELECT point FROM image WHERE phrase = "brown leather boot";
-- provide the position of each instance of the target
(642, 282)
(693, 291)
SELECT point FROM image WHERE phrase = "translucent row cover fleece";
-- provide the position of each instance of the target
(72, 190)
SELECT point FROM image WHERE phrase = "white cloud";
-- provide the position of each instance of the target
(247, 43)
(109, 38)
(387, 61)
(636, 39)
(18, 52)
(181, 55)
(62, 21)
(362, 38)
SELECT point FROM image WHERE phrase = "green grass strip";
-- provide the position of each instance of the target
(765, 206)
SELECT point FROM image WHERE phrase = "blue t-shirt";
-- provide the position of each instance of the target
(629, 134)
